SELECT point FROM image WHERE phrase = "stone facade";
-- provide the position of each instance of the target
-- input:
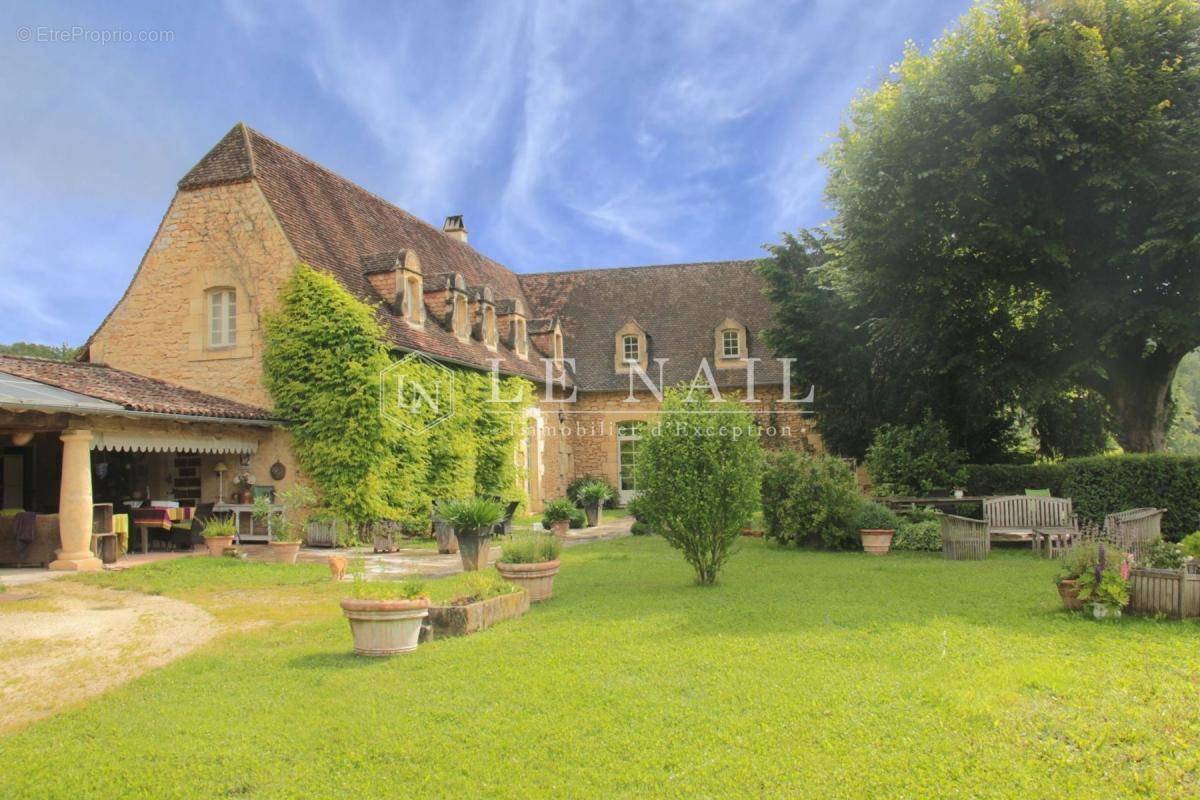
(217, 237)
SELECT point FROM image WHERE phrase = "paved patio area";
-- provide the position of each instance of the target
(423, 561)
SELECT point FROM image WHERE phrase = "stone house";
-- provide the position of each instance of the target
(605, 340)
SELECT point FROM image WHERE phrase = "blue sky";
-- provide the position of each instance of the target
(569, 134)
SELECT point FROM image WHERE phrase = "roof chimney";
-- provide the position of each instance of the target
(454, 227)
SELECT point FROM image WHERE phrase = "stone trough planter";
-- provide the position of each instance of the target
(462, 620)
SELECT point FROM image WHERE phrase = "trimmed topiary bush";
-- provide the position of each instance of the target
(924, 534)
(810, 500)
(873, 516)
(699, 469)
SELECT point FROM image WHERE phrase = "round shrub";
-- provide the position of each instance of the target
(914, 459)
(872, 516)
(810, 500)
(919, 535)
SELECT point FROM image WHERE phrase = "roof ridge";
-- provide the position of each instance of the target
(45, 360)
(681, 265)
(363, 190)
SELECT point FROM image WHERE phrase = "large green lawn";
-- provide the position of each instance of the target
(800, 674)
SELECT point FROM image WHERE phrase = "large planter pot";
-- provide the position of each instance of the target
(560, 529)
(385, 627)
(593, 514)
(536, 579)
(285, 552)
(1069, 592)
(473, 548)
(876, 541)
(447, 542)
(216, 544)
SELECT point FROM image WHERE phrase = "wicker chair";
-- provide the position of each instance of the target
(963, 538)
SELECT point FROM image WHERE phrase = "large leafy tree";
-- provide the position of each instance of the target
(1021, 205)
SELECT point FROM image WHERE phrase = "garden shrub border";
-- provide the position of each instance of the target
(1100, 485)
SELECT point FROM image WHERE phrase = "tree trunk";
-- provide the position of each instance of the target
(1138, 391)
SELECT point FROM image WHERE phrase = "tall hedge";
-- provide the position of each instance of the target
(324, 355)
(1100, 485)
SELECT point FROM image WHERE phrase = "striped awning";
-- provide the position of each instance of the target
(153, 442)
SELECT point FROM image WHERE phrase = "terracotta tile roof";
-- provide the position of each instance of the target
(134, 392)
(678, 305)
(333, 224)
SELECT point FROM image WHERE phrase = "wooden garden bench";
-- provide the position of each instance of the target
(963, 538)
(1019, 518)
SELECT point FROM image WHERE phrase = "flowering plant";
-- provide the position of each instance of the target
(1106, 584)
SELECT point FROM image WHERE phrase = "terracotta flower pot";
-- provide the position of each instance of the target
(217, 544)
(593, 515)
(876, 541)
(560, 529)
(536, 579)
(385, 627)
(1068, 590)
(473, 548)
(285, 552)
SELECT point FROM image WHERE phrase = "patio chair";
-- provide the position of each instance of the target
(963, 538)
(1134, 529)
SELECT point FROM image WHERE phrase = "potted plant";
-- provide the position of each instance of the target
(242, 493)
(473, 520)
(282, 522)
(1080, 557)
(385, 616)
(531, 562)
(876, 526)
(218, 534)
(557, 514)
(1105, 587)
(593, 496)
(444, 533)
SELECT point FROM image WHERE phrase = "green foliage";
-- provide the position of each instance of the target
(1184, 436)
(323, 361)
(1072, 425)
(575, 486)
(594, 493)
(480, 585)
(558, 510)
(531, 548)
(912, 460)
(1004, 234)
(218, 526)
(1102, 485)
(62, 352)
(700, 476)
(408, 589)
(1082, 556)
(638, 509)
(297, 502)
(874, 516)
(471, 514)
(994, 619)
(810, 500)
(919, 534)
(1163, 555)
(1189, 546)
(640, 528)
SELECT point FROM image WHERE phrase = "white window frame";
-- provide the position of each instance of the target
(221, 317)
(631, 354)
(736, 340)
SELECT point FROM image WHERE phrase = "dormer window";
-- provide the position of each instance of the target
(222, 317)
(731, 344)
(631, 349)
(462, 323)
(490, 336)
(520, 339)
(413, 308)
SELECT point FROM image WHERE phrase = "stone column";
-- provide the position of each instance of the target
(75, 504)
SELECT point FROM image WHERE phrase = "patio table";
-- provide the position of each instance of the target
(1053, 540)
(161, 518)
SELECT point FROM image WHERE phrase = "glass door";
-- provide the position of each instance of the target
(628, 436)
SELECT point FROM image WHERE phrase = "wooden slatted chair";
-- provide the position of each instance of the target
(963, 538)
(1134, 529)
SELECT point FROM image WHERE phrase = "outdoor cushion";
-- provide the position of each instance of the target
(1038, 493)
